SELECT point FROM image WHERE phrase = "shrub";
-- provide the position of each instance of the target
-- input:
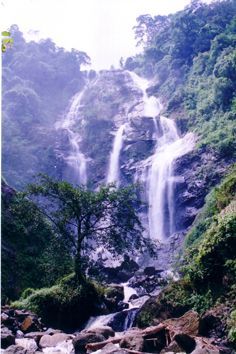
(206, 263)
(232, 327)
(66, 305)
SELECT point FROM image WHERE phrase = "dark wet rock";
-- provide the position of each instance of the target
(122, 306)
(133, 342)
(7, 337)
(133, 297)
(185, 341)
(173, 347)
(201, 170)
(81, 340)
(211, 325)
(154, 343)
(119, 274)
(105, 331)
(146, 284)
(150, 271)
(122, 320)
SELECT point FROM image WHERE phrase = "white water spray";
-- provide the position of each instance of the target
(76, 158)
(160, 178)
(113, 171)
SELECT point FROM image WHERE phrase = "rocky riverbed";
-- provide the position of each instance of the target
(23, 333)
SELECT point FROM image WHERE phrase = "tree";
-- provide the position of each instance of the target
(6, 40)
(80, 215)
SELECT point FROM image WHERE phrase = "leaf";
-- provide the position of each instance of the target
(6, 34)
(3, 48)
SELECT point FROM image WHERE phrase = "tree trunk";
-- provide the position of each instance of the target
(78, 262)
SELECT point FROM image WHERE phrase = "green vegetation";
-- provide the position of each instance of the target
(209, 262)
(232, 327)
(38, 81)
(218, 199)
(191, 55)
(7, 41)
(66, 305)
(106, 216)
(31, 254)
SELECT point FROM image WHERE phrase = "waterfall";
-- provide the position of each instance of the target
(76, 159)
(113, 171)
(160, 180)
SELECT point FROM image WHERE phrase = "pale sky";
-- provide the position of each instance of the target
(101, 28)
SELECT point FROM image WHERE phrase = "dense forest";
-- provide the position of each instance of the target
(76, 226)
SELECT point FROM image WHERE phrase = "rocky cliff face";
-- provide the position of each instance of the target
(110, 100)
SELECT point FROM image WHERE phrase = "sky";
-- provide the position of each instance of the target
(101, 28)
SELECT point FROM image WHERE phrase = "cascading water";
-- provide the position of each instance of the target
(159, 176)
(161, 180)
(113, 171)
(76, 159)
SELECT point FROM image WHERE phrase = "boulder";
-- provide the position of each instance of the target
(205, 351)
(211, 325)
(81, 340)
(150, 271)
(7, 320)
(29, 344)
(21, 315)
(133, 342)
(53, 340)
(172, 347)
(7, 338)
(17, 349)
(187, 324)
(35, 335)
(30, 324)
(133, 297)
(52, 331)
(205, 346)
(114, 294)
(185, 341)
(19, 334)
(112, 349)
(105, 331)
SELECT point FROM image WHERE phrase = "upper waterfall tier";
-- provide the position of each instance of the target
(75, 158)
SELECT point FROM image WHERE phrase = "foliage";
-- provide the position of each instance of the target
(173, 301)
(191, 56)
(66, 305)
(7, 41)
(38, 81)
(232, 327)
(208, 262)
(106, 216)
(31, 256)
(218, 199)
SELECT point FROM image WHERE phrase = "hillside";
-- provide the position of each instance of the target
(132, 221)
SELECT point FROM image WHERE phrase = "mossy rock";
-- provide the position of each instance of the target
(67, 305)
(171, 302)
